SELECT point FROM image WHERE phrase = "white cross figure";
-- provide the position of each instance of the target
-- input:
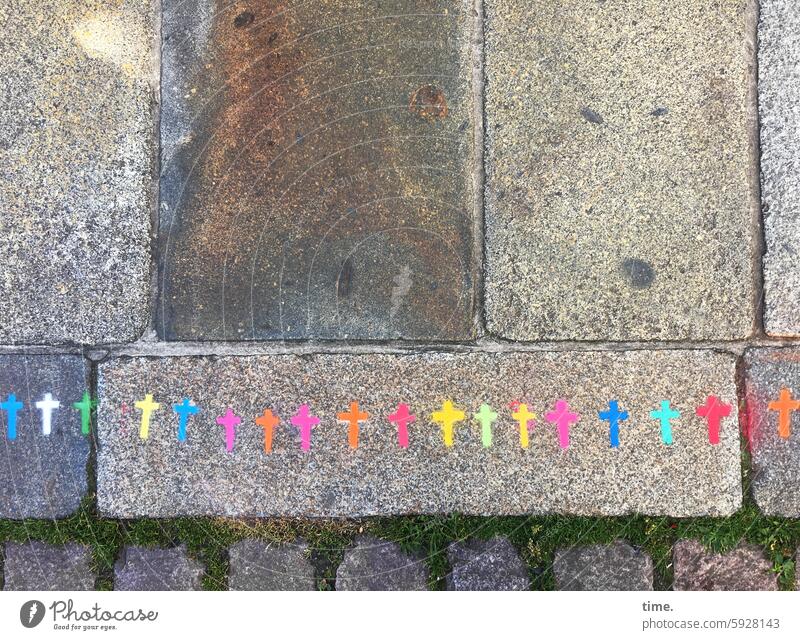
(47, 405)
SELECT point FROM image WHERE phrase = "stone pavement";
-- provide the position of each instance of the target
(343, 259)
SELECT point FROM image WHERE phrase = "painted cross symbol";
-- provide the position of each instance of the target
(666, 415)
(85, 406)
(785, 405)
(230, 420)
(562, 417)
(614, 416)
(147, 406)
(305, 422)
(523, 417)
(486, 417)
(47, 405)
(184, 410)
(447, 417)
(353, 418)
(268, 422)
(713, 411)
(402, 418)
(11, 406)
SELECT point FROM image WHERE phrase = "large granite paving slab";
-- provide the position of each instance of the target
(486, 565)
(77, 136)
(779, 110)
(773, 428)
(621, 181)
(36, 566)
(316, 170)
(42, 475)
(356, 462)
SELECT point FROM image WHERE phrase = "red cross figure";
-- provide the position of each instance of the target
(713, 411)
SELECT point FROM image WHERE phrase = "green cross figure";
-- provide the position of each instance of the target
(85, 406)
(486, 418)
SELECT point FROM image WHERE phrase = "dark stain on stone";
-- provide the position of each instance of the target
(429, 103)
(344, 284)
(244, 19)
(640, 274)
(661, 111)
(592, 116)
(272, 37)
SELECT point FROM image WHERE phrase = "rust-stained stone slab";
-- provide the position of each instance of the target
(162, 477)
(621, 174)
(316, 170)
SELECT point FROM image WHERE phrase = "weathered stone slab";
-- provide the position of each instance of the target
(621, 178)
(36, 566)
(76, 148)
(261, 566)
(316, 170)
(157, 569)
(746, 568)
(380, 565)
(779, 107)
(775, 460)
(160, 476)
(603, 567)
(42, 476)
(486, 565)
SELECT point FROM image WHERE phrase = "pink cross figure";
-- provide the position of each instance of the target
(305, 422)
(230, 420)
(401, 418)
(562, 417)
(713, 411)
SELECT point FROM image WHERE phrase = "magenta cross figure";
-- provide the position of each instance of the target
(562, 417)
(230, 421)
(401, 418)
(305, 422)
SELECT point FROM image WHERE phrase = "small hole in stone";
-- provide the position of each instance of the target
(244, 19)
(640, 274)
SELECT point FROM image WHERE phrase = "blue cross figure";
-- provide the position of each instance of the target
(184, 410)
(666, 415)
(11, 406)
(614, 416)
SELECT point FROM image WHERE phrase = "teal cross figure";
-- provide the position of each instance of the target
(486, 418)
(11, 407)
(614, 416)
(666, 415)
(85, 406)
(184, 411)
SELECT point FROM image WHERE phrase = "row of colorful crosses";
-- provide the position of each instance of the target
(447, 417)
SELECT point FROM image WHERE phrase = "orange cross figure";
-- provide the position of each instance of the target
(352, 419)
(447, 417)
(785, 405)
(523, 417)
(268, 422)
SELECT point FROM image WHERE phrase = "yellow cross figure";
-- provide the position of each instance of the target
(523, 416)
(147, 407)
(447, 417)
